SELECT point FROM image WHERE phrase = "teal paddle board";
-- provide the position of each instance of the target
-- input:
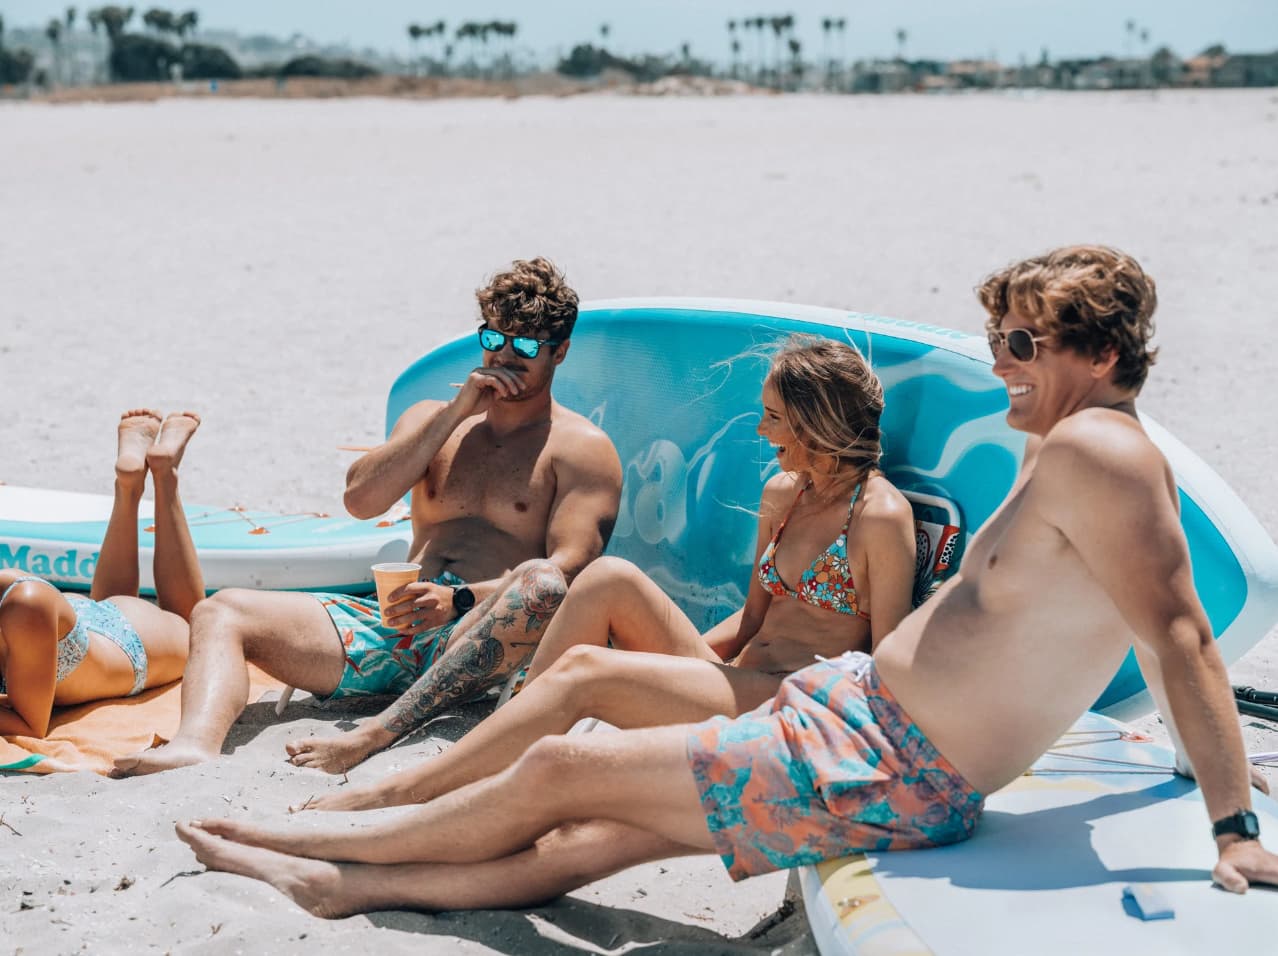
(676, 385)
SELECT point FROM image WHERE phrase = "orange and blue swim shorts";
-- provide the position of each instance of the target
(832, 765)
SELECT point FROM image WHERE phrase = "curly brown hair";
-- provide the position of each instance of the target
(833, 400)
(1090, 299)
(531, 297)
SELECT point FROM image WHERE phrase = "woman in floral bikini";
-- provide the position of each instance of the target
(835, 569)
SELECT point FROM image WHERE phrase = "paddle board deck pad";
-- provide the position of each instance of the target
(676, 385)
(1048, 866)
(58, 534)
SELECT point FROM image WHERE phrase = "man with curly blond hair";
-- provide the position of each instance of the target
(511, 495)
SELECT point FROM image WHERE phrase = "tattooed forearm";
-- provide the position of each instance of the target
(485, 650)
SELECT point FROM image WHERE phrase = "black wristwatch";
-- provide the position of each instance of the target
(463, 599)
(1243, 823)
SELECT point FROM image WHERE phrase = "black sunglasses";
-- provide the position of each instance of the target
(1022, 343)
(525, 346)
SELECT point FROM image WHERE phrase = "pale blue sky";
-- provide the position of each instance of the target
(944, 29)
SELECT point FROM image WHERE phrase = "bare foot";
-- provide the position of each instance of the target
(166, 453)
(314, 885)
(159, 759)
(137, 431)
(347, 798)
(336, 754)
(251, 834)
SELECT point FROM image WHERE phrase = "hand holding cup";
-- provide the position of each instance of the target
(390, 578)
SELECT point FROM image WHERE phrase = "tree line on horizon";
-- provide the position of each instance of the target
(765, 51)
(150, 56)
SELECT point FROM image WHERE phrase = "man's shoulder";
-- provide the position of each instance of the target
(569, 427)
(419, 411)
(1100, 446)
(577, 442)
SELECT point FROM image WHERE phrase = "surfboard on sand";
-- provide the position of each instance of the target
(675, 383)
(1046, 870)
(57, 535)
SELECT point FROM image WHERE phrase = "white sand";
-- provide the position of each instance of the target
(275, 265)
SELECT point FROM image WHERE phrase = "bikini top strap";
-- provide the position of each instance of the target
(856, 493)
(789, 511)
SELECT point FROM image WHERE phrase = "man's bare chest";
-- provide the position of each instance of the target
(1021, 556)
(511, 482)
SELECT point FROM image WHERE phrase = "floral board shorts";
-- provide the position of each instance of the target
(380, 660)
(830, 766)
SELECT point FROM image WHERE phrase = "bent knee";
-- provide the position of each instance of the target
(545, 762)
(221, 615)
(607, 571)
(582, 663)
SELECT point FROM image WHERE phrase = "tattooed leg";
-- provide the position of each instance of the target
(486, 646)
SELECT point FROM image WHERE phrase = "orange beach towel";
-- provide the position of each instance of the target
(91, 736)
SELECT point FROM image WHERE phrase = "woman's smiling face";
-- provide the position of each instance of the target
(773, 426)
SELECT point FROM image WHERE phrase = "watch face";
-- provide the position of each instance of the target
(1251, 825)
(463, 599)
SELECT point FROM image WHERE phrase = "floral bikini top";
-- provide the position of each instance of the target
(827, 583)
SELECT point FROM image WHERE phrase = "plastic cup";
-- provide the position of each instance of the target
(390, 576)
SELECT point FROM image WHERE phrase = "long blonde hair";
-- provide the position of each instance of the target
(832, 401)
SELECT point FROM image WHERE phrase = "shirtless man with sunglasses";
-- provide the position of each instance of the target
(894, 751)
(511, 496)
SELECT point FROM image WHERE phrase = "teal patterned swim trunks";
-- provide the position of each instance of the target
(381, 660)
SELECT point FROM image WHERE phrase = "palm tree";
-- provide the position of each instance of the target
(796, 59)
(1146, 72)
(54, 32)
(604, 30)
(1131, 34)
(507, 29)
(70, 26)
(159, 20)
(760, 24)
(115, 19)
(415, 33)
(778, 25)
(901, 37)
(470, 31)
(484, 30)
(827, 24)
(186, 23)
(841, 24)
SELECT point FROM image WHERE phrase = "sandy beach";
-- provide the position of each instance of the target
(275, 264)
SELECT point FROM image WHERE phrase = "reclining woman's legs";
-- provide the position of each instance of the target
(627, 689)
(179, 582)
